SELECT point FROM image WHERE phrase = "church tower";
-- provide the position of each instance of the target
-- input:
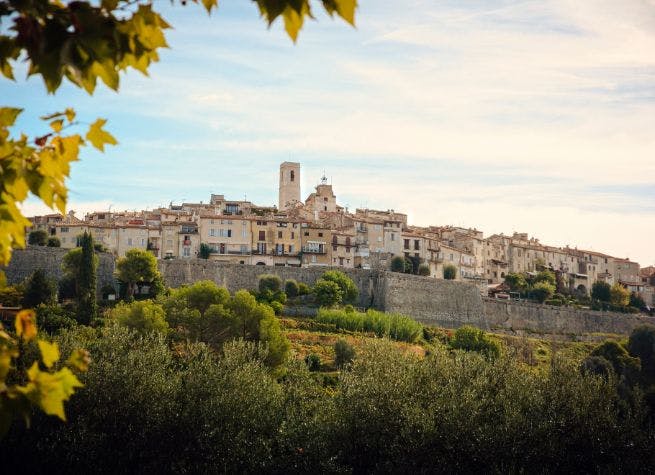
(289, 185)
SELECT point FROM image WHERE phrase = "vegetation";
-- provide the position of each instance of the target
(87, 303)
(38, 238)
(449, 272)
(349, 291)
(392, 325)
(398, 264)
(291, 288)
(39, 289)
(53, 241)
(542, 291)
(11, 296)
(138, 267)
(516, 282)
(424, 270)
(344, 353)
(601, 291)
(619, 295)
(468, 338)
(144, 316)
(205, 251)
(327, 293)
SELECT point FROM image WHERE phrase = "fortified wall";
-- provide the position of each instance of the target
(431, 301)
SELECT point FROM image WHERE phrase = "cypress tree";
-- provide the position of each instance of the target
(87, 304)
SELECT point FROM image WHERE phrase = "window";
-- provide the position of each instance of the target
(325, 200)
(334, 248)
(63, 240)
(313, 258)
(279, 234)
(416, 244)
(229, 233)
(306, 233)
(406, 243)
(334, 240)
(262, 235)
(186, 252)
(324, 208)
(320, 234)
(169, 242)
(347, 249)
(244, 231)
(341, 261)
(143, 242)
(243, 249)
(347, 241)
(290, 248)
(129, 241)
(292, 175)
(293, 235)
(393, 237)
(261, 248)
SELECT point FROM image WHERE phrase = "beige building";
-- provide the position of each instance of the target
(289, 190)
(276, 241)
(315, 240)
(343, 248)
(228, 236)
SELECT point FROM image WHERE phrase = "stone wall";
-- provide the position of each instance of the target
(25, 261)
(533, 317)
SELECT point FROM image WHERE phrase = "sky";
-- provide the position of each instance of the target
(526, 116)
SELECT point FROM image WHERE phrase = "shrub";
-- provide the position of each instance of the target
(269, 282)
(641, 344)
(327, 293)
(11, 296)
(596, 365)
(304, 289)
(39, 289)
(468, 338)
(398, 264)
(348, 288)
(205, 251)
(392, 325)
(53, 241)
(313, 362)
(424, 270)
(52, 318)
(601, 291)
(449, 272)
(542, 291)
(636, 301)
(344, 353)
(37, 238)
(291, 288)
(619, 295)
(143, 316)
(622, 363)
(545, 276)
(349, 308)
(516, 282)
(277, 307)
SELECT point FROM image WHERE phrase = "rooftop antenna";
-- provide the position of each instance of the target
(323, 179)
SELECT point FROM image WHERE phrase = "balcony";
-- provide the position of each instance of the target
(361, 229)
(314, 250)
(186, 242)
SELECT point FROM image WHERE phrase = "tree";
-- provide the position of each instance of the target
(53, 241)
(327, 293)
(291, 288)
(469, 338)
(87, 300)
(641, 344)
(424, 270)
(83, 42)
(269, 282)
(545, 276)
(38, 238)
(516, 282)
(143, 316)
(39, 290)
(138, 266)
(344, 353)
(398, 264)
(205, 251)
(619, 295)
(349, 290)
(449, 272)
(636, 301)
(542, 291)
(601, 291)
(622, 363)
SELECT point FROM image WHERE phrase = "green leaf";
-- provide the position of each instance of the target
(99, 137)
(49, 352)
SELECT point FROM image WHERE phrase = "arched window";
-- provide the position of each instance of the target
(293, 175)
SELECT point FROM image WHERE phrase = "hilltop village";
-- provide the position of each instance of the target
(319, 232)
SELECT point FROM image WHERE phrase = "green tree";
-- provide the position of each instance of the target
(327, 293)
(424, 270)
(619, 295)
(11, 296)
(601, 291)
(344, 353)
(641, 344)
(87, 300)
(205, 251)
(542, 291)
(545, 276)
(623, 364)
(398, 264)
(349, 290)
(291, 288)
(469, 338)
(516, 282)
(53, 241)
(449, 272)
(636, 301)
(138, 266)
(143, 316)
(39, 289)
(38, 238)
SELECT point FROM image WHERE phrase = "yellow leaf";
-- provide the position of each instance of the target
(70, 114)
(99, 137)
(49, 352)
(209, 4)
(79, 359)
(56, 125)
(346, 10)
(8, 116)
(293, 21)
(26, 324)
(49, 390)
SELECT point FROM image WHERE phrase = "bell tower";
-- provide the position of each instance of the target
(289, 185)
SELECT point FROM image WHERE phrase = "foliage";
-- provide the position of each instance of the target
(636, 301)
(349, 290)
(449, 272)
(52, 318)
(138, 266)
(313, 362)
(143, 316)
(22, 389)
(37, 237)
(601, 291)
(398, 264)
(516, 282)
(39, 289)
(269, 282)
(11, 296)
(622, 363)
(291, 288)
(304, 289)
(468, 338)
(545, 276)
(619, 295)
(327, 293)
(53, 241)
(198, 296)
(87, 300)
(424, 270)
(392, 325)
(641, 344)
(205, 251)
(344, 353)
(542, 291)
(277, 307)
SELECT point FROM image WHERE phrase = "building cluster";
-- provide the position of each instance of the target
(319, 232)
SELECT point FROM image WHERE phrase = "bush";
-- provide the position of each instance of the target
(53, 318)
(344, 353)
(619, 295)
(516, 282)
(11, 296)
(348, 288)
(468, 338)
(449, 272)
(37, 238)
(205, 251)
(269, 282)
(545, 276)
(349, 308)
(398, 264)
(39, 289)
(277, 307)
(391, 325)
(291, 288)
(53, 241)
(327, 293)
(641, 344)
(313, 362)
(304, 289)
(542, 291)
(144, 316)
(424, 270)
(601, 291)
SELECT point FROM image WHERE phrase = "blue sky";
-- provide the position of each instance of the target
(508, 116)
